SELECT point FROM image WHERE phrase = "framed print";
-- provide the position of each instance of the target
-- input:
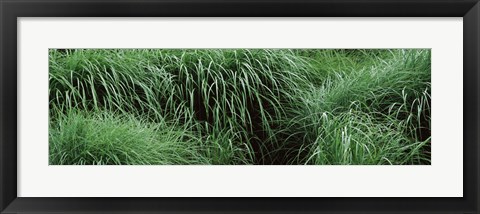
(227, 106)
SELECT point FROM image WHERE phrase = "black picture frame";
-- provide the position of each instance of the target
(10, 10)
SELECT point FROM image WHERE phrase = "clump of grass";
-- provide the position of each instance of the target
(357, 137)
(103, 138)
(383, 109)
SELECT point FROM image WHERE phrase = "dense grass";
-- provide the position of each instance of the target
(258, 106)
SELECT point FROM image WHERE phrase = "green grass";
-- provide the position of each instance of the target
(242, 106)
